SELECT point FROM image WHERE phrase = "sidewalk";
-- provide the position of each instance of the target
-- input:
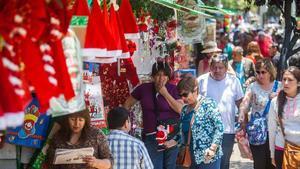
(236, 162)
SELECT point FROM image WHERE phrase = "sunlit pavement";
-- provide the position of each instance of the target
(237, 162)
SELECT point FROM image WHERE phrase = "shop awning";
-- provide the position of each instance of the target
(173, 5)
(216, 10)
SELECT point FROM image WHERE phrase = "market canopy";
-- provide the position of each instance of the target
(173, 5)
(209, 9)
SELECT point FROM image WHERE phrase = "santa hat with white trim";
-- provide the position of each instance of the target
(118, 32)
(129, 21)
(95, 44)
(113, 50)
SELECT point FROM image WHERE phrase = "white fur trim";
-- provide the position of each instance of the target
(114, 53)
(10, 65)
(45, 47)
(18, 18)
(20, 92)
(125, 55)
(100, 59)
(132, 35)
(52, 80)
(14, 119)
(48, 68)
(14, 80)
(48, 58)
(54, 21)
(56, 33)
(94, 52)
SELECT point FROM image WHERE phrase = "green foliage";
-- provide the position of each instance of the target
(159, 12)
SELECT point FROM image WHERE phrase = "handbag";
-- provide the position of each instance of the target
(243, 144)
(291, 155)
(34, 129)
(257, 127)
(184, 158)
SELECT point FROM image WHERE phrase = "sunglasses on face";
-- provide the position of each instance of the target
(261, 72)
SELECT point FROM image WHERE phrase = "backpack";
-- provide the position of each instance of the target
(257, 127)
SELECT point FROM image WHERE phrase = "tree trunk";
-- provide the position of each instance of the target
(286, 47)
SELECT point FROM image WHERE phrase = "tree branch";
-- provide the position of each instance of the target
(295, 51)
(278, 6)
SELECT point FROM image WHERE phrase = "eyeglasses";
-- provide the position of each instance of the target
(261, 72)
(184, 94)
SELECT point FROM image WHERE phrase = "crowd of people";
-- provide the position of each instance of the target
(201, 113)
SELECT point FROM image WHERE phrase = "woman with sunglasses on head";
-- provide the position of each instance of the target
(161, 106)
(201, 126)
(257, 98)
(285, 106)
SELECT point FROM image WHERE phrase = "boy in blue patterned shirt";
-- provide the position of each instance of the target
(128, 151)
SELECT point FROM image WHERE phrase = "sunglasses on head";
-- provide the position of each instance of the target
(261, 72)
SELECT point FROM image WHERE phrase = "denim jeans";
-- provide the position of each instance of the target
(215, 165)
(161, 159)
(227, 147)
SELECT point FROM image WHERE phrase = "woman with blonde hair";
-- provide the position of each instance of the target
(257, 97)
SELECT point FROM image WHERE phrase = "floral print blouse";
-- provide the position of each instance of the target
(207, 128)
(256, 98)
(95, 139)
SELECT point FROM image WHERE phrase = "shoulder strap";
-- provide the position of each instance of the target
(267, 108)
(190, 131)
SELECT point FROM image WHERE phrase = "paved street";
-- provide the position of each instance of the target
(236, 162)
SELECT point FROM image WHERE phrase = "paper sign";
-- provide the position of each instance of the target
(72, 156)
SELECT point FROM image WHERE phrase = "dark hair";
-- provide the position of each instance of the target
(187, 83)
(268, 65)
(161, 66)
(65, 130)
(281, 99)
(294, 60)
(117, 117)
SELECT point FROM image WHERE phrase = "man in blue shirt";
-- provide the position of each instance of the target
(128, 151)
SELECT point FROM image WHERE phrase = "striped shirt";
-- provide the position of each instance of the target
(128, 152)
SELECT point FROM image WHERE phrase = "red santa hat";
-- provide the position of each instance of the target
(115, 29)
(95, 44)
(112, 49)
(125, 50)
(129, 21)
(81, 8)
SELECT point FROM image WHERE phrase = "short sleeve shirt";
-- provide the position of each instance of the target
(144, 93)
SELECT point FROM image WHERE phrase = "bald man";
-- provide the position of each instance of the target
(243, 67)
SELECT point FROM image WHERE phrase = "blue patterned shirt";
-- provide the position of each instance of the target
(207, 129)
(128, 152)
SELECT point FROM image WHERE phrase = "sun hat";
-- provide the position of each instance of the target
(210, 47)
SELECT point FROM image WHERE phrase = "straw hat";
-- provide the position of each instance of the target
(210, 47)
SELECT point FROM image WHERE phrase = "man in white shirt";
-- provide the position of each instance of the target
(227, 91)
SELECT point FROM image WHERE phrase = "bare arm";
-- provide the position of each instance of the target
(238, 102)
(130, 101)
(244, 108)
(176, 105)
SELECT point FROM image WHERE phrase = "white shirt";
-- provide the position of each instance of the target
(225, 92)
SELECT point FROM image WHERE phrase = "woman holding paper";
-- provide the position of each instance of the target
(92, 150)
